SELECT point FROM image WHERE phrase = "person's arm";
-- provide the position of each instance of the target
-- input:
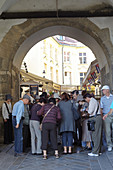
(101, 107)
(91, 107)
(110, 112)
(41, 111)
(58, 114)
(19, 114)
(4, 112)
(101, 112)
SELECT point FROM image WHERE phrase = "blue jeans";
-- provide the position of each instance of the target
(67, 138)
(18, 136)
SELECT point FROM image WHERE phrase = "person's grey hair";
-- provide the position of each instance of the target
(26, 97)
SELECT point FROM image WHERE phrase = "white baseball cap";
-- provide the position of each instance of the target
(105, 87)
(56, 96)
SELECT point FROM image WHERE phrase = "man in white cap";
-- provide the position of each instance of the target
(105, 104)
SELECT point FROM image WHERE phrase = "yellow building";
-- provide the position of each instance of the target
(63, 60)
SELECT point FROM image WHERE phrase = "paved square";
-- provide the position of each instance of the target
(75, 161)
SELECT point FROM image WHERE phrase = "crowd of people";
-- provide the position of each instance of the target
(70, 119)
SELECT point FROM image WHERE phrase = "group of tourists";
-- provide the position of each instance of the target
(71, 120)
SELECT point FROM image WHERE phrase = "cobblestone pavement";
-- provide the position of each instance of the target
(75, 161)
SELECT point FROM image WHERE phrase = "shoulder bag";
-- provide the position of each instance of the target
(91, 123)
(45, 116)
(75, 112)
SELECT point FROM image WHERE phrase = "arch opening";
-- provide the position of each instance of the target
(74, 33)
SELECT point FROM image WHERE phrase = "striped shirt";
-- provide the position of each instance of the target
(52, 116)
(105, 103)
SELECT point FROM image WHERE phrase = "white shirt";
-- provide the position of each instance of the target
(93, 105)
(5, 113)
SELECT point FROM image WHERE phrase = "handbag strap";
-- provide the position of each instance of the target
(47, 113)
(7, 107)
(97, 110)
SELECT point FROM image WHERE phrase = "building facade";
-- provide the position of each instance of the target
(61, 59)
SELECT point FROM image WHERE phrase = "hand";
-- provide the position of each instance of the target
(87, 109)
(5, 120)
(84, 115)
(104, 117)
(17, 126)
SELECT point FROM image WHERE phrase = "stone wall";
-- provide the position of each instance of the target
(9, 84)
(20, 39)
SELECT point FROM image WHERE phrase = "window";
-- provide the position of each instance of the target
(51, 51)
(80, 54)
(65, 73)
(44, 46)
(56, 56)
(82, 75)
(70, 77)
(67, 57)
(51, 73)
(67, 78)
(81, 79)
(45, 70)
(64, 58)
(45, 67)
(57, 76)
(80, 58)
(83, 60)
(61, 37)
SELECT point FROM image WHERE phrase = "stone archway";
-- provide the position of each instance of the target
(21, 38)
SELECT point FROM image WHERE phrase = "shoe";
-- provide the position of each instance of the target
(84, 148)
(88, 149)
(57, 156)
(21, 154)
(93, 154)
(38, 153)
(70, 152)
(15, 154)
(109, 148)
(44, 157)
(34, 154)
(18, 154)
(64, 153)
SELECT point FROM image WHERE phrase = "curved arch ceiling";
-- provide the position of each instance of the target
(60, 30)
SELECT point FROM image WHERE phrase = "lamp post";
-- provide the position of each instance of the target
(46, 86)
(43, 73)
(26, 67)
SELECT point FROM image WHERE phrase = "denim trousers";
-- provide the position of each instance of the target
(67, 138)
(18, 138)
